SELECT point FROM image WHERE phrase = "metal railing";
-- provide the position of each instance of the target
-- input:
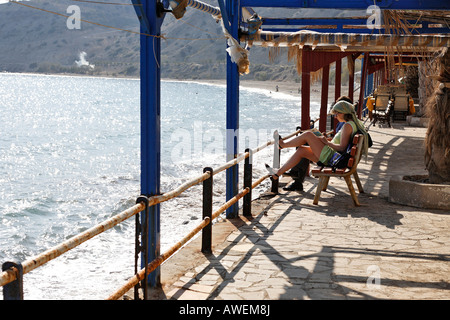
(11, 277)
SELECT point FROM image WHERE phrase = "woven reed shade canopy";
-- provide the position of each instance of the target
(347, 41)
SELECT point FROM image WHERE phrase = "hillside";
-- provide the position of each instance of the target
(36, 41)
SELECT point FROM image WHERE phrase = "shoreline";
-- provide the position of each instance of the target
(289, 88)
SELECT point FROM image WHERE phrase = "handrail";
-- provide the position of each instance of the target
(9, 275)
(159, 260)
(163, 257)
(30, 264)
(39, 260)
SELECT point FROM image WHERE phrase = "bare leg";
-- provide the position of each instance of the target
(301, 152)
(311, 152)
(298, 141)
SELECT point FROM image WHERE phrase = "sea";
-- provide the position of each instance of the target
(70, 159)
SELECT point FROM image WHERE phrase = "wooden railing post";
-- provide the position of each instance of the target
(276, 164)
(248, 172)
(141, 246)
(207, 211)
(13, 290)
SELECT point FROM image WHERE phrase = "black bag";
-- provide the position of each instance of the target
(369, 138)
(340, 160)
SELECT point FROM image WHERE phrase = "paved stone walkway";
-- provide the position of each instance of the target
(292, 249)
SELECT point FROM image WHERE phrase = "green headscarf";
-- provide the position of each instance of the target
(347, 108)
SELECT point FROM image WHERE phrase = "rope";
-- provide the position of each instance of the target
(111, 3)
(86, 21)
(204, 7)
(116, 28)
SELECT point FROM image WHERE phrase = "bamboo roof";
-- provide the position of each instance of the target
(400, 29)
(348, 41)
(434, 16)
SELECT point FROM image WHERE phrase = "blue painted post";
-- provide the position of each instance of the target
(362, 88)
(232, 124)
(369, 84)
(151, 126)
(368, 91)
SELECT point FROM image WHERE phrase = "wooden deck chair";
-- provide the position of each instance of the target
(324, 174)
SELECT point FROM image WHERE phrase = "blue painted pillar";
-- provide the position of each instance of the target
(362, 88)
(369, 84)
(151, 125)
(232, 124)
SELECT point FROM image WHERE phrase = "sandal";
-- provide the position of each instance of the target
(272, 171)
(277, 138)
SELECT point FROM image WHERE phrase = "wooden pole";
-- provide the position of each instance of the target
(324, 99)
(306, 87)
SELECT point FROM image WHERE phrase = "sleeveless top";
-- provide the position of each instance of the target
(327, 151)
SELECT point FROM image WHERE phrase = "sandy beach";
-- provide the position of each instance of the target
(290, 88)
(285, 87)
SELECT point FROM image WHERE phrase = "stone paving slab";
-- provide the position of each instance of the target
(292, 249)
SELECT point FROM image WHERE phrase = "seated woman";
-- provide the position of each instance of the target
(319, 148)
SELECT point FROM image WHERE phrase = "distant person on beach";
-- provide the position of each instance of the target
(300, 170)
(319, 148)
